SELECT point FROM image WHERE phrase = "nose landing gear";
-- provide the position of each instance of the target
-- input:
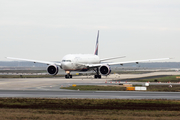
(68, 75)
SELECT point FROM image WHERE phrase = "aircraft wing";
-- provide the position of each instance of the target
(36, 61)
(121, 63)
(112, 58)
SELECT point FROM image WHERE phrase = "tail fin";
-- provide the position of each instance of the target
(97, 44)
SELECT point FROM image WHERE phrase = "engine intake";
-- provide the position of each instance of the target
(52, 69)
(105, 70)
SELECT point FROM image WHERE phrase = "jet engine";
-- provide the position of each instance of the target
(52, 69)
(105, 70)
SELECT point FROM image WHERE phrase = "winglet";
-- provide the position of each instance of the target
(97, 44)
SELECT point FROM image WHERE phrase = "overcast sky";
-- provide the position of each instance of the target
(49, 29)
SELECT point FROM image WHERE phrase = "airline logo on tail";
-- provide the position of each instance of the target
(97, 44)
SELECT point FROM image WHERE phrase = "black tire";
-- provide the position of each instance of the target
(95, 76)
(70, 76)
(66, 76)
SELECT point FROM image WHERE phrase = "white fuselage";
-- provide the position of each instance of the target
(74, 62)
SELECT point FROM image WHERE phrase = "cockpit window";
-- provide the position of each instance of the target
(66, 60)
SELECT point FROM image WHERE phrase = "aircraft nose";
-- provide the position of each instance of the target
(65, 65)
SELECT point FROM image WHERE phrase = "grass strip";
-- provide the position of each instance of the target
(101, 109)
(164, 88)
(160, 88)
(36, 114)
(96, 88)
(160, 79)
(89, 104)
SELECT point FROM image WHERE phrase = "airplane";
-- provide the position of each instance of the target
(84, 62)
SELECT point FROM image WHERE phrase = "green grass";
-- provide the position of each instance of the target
(161, 79)
(95, 87)
(165, 88)
(101, 109)
(131, 72)
(42, 114)
(90, 104)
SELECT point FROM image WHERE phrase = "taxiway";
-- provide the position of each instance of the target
(50, 87)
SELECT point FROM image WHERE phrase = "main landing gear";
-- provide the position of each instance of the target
(68, 76)
(97, 76)
(97, 72)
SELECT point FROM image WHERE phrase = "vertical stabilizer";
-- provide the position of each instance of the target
(97, 45)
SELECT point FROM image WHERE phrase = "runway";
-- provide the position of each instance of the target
(50, 88)
(89, 94)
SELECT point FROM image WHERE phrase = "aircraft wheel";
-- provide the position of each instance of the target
(70, 76)
(66, 76)
(95, 76)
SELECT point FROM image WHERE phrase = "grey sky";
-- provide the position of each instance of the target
(48, 30)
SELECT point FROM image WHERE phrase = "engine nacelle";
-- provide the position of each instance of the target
(52, 69)
(105, 70)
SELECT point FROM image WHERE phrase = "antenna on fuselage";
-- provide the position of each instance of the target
(97, 45)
